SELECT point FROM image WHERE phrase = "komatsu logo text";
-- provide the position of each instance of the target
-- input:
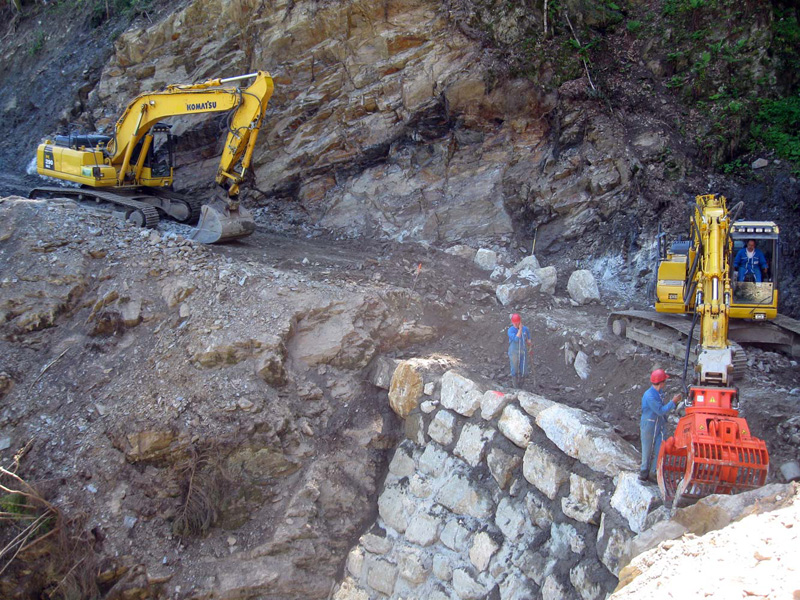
(202, 106)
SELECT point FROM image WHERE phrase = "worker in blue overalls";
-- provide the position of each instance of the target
(750, 263)
(653, 422)
(519, 345)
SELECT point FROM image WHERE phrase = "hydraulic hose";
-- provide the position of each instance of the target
(686, 355)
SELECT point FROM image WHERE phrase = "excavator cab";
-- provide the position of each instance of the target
(158, 161)
(754, 270)
(753, 275)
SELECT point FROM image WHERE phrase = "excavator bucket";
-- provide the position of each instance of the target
(220, 223)
(712, 451)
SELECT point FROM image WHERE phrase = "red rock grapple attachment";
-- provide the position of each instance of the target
(712, 451)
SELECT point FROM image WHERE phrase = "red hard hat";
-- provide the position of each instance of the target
(516, 319)
(658, 376)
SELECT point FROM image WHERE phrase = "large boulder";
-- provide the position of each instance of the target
(582, 287)
(409, 381)
(486, 259)
(525, 284)
(585, 437)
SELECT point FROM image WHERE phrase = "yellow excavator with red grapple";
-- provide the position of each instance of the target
(132, 168)
(712, 450)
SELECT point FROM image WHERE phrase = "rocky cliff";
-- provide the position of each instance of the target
(414, 120)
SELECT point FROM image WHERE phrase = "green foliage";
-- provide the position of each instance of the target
(737, 70)
(634, 26)
(678, 7)
(777, 125)
(734, 107)
(703, 62)
(786, 31)
(38, 43)
(15, 507)
(675, 56)
(734, 166)
(675, 81)
(14, 504)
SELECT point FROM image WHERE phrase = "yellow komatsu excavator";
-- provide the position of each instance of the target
(132, 168)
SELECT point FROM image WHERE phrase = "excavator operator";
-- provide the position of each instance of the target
(750, 263)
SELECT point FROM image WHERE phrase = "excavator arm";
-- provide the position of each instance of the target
(248, 106)
(713, 299)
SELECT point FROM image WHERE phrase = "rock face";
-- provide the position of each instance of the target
(449, 532)
(177, 371)
(358, 84)
(766, 565)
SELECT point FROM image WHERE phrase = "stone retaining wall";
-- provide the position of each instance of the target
(497, 494)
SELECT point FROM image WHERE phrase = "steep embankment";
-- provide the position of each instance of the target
(214, 422)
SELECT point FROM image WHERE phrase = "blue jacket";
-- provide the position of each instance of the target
(753, 265)
(512, 339)
(653, 410)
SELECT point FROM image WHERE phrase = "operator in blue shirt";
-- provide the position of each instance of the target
(519, 345)
(750, 263)
(652, 424)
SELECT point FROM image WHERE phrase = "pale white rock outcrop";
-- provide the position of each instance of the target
(585, 437)
(633, 500)
(486, 259)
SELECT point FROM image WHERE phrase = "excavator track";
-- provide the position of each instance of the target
(666, 333)
(144, 207)
(781, 334)
(136, 211)
(193, 205)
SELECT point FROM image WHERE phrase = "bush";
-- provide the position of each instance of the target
(777, 125)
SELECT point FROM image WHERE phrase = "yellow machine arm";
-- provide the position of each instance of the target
(713, 288)
(713, 450)
(210, 96)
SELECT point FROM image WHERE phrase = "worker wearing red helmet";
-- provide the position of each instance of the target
(653, 422)
(519, 345)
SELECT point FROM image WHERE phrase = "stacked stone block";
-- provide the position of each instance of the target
(499, 495)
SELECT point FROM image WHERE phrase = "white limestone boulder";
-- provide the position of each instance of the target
(582, 287)
(633, 500)
(486, 259)
(585, 437)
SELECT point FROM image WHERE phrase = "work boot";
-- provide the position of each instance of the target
(643, 475)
